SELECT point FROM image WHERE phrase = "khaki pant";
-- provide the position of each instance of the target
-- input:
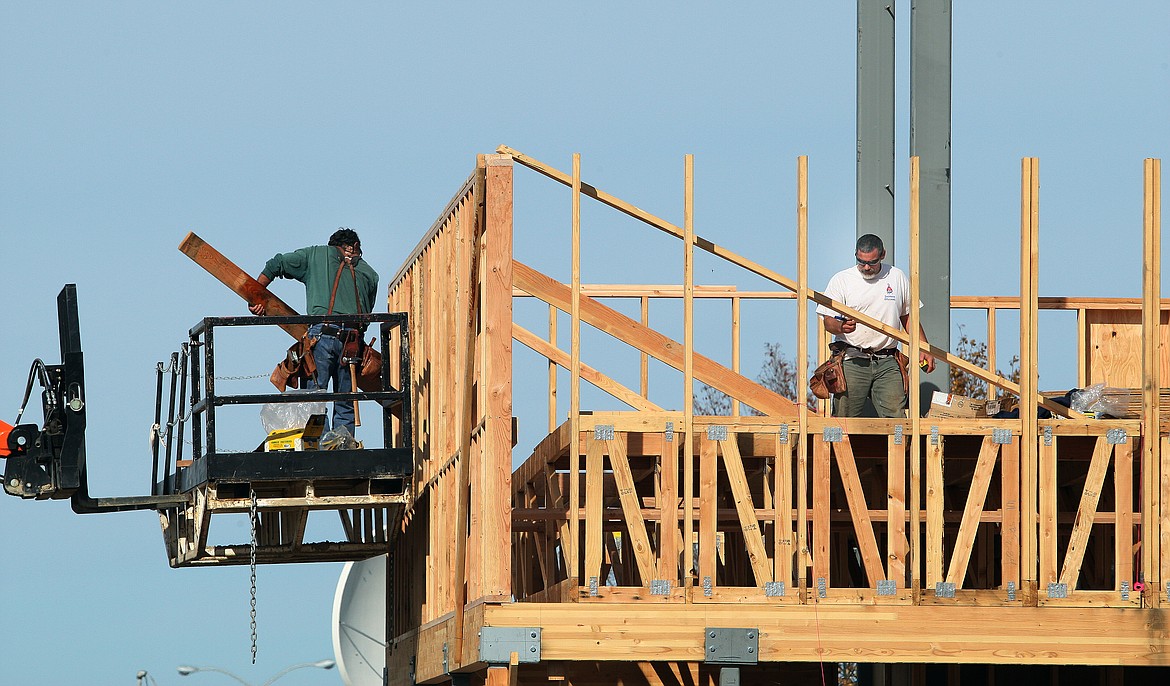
(878, 379)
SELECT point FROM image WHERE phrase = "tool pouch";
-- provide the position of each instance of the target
(297, 367)
(829, 378)
(369, 377)
(904, 367)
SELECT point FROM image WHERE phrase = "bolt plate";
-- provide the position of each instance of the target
(497, 643)
(732, 646)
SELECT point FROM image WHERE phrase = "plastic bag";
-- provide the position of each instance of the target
(289, 415)
(1084, 400)
(339, 439)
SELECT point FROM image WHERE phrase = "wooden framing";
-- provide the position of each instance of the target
(1029, 532)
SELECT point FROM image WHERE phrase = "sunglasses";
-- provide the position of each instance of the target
(869, 263)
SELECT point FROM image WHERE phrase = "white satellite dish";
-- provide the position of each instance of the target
(359, 622)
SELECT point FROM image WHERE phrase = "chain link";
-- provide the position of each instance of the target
(252, 557)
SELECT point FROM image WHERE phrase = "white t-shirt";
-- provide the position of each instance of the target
(885, 298)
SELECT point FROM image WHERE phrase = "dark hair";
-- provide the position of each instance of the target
(869, 243)
(345, 236)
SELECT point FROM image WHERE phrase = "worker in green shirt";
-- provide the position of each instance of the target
(337, 281)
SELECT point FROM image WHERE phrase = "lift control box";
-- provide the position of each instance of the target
(305, 438)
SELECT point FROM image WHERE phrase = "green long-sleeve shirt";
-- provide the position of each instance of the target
(316, 267)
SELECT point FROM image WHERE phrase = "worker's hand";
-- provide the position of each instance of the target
(926, 361)
(849, 325)
(258, 309)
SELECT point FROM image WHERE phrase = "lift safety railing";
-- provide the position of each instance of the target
(195, 364)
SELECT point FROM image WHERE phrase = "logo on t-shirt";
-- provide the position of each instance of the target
(889, 292)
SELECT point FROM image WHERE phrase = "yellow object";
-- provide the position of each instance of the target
(305, 438)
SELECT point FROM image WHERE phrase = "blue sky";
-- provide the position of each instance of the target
(263, 126)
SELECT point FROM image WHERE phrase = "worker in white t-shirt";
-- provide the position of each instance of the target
(871, 366)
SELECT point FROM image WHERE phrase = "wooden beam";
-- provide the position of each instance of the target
(1086, 511)
(574, 310)
(638, 541)
(976, 498)
(862, 525)
(897, 545)
(239, 281)
(934, 511)
(655, 344)
(594, 472)
(1152, 488)
(821, 492)
(556, 356)
(741, 493)
(708, 523)
(496, 379)
(668, 532)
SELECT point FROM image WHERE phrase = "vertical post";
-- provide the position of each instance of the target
(801, 436)
(688, 365)
(1029, 243)
(934, 562)
(575, 380)
(1154, 538)
(735, 347)
(552, 370)
(496, 380)
(991, 344)
(645, 357)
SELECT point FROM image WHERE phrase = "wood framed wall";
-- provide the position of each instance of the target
(644, 514)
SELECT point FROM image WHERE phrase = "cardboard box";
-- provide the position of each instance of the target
(305, 438)
(951, 405)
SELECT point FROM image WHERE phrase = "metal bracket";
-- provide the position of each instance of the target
(603, 432)
(717, 433)
(593, 586)
(445, 668)
(832, 434)
(497, 643)
(887, 587)
(1056, 590)
(934, 435)
(783, 433)
(707, 588)
(670, 431)
(774, 589)
(732, 646)
(1048, 435)
(1116, 436)
(897, 434)
(1125, 590)
(944, 589)
(660, 587)
(1002, 436)
(822, 587)
(1011, 591)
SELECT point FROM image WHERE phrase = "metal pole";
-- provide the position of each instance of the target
(875, 121)
(930, 141)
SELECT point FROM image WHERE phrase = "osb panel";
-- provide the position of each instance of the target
(1114, 347)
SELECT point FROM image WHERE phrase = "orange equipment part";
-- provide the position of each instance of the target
(5, 428)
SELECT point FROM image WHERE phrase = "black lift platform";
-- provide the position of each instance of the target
(369, 488)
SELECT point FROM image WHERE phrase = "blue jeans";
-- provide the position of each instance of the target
(327, 355)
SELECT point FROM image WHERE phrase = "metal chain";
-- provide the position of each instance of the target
(253, 565)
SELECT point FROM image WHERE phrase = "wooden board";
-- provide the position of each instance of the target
(239, 281)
